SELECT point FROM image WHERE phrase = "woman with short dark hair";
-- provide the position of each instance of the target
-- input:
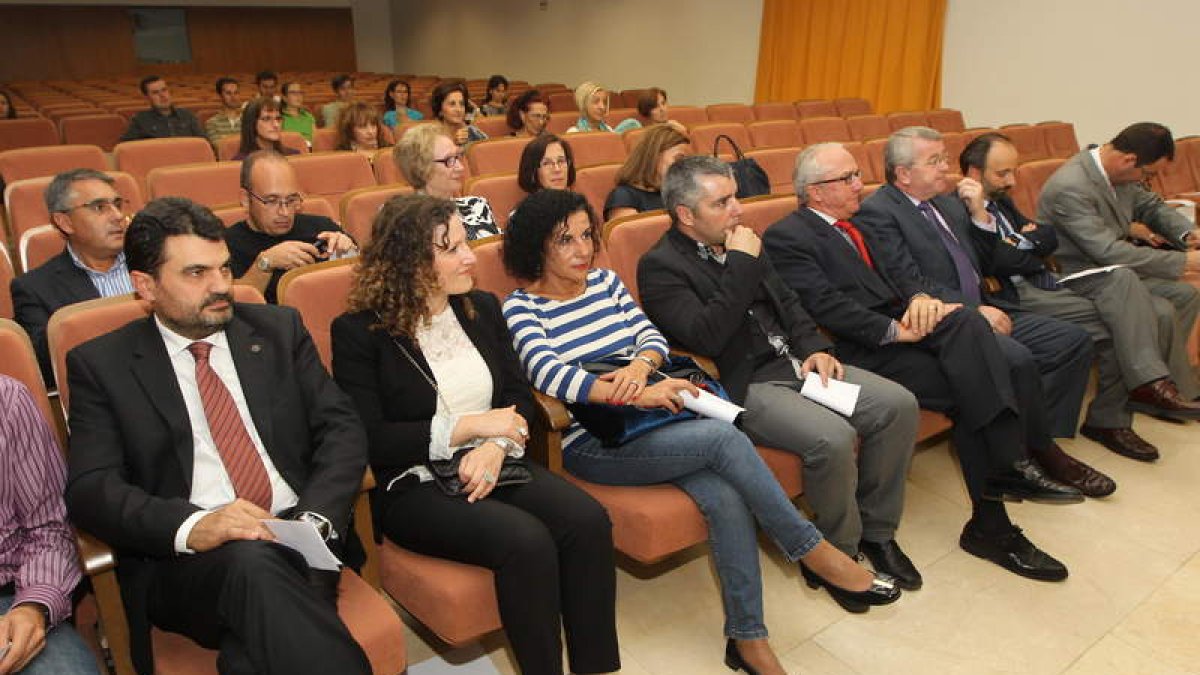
(546, 163)
(529, 114)
(449, 101)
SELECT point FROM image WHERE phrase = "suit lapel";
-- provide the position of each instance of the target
(872, 281)
(153, 371)
(687, 248)
(1103, 187)
(74, 282)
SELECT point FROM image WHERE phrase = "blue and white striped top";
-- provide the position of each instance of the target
(552, 337)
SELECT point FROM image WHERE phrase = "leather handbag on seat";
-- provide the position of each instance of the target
(751, 178)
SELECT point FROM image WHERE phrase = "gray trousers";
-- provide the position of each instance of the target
(1134, 332)
(854, 498)
(1186, 300)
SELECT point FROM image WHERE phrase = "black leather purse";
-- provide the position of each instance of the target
(752, 179)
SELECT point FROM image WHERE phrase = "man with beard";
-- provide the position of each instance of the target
(1133, 329)
(190, 427)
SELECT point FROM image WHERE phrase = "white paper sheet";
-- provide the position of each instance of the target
(303, 537)
(710, 405)
(1085, 273)
(837, 395)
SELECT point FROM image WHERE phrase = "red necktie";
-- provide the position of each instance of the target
(241, 459)
(857, 238)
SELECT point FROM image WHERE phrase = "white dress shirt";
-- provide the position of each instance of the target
(211, 487)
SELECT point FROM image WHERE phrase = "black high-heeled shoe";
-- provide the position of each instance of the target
(733, 658)
(883, 591)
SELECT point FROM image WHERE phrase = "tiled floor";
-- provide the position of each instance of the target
(1130, 606)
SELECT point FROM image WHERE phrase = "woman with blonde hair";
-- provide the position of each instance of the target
(433, 163)
(640, 179)
(592, 100)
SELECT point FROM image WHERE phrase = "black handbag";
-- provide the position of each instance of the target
(752, 179)
(614, 425)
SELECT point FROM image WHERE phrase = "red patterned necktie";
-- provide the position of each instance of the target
(857, 238)
(241, 459)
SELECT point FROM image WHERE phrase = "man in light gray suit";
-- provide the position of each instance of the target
(1101, 210)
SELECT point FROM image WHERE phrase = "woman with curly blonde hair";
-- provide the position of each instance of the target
(430, 367)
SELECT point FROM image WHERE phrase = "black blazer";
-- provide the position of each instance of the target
(40, 292)
(841, 293)
(394, 400)
(1005, 260)
(703, 308)
(130, 464)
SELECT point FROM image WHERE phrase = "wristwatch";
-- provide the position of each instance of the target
(324, 527)
(264, 263)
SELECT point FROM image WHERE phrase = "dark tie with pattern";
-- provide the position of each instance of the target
(857, 239)
(241, 459)
(968, 278)
(1042, 278)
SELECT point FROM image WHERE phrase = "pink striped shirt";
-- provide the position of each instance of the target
(37, 547)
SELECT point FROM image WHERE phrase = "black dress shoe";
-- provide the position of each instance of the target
(889, 559)
(1013, 552)
(883, 591)
(1026, 480)
(1124, 442)
(733, 658)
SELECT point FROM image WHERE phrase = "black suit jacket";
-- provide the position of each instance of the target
(130, 464)
(394, 400)
(703, 308)
(1005, 259)
(40, 292)
(837, 288)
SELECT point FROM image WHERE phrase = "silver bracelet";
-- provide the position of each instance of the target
(648, 361)
(508, 445)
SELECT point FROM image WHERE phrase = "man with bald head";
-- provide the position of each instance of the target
(276, 235)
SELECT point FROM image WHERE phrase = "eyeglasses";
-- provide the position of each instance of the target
(848, 178)
(289, 203)
(938, 160)
(537, 116)
(450, 161)
(99, 206)
(556, 162)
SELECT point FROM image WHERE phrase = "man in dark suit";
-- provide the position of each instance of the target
(1137, 353)
(163, 119)
(945, 353)
(86, 209)
(275, 236)
(922, 233)
(190, 427)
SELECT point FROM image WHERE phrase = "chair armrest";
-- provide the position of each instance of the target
(557, 417)
(100, 564)
(95, 555)
(704, 362)
(364, 527)
(545, 441)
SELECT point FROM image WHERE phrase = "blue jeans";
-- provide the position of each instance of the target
(720, 469)
(64, 654)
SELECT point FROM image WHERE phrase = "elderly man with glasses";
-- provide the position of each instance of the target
(276, 236)
(84, 206)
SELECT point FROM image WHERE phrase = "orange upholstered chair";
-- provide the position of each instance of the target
(688, 114)
(231, 214)
(704, 136)
(908, 118)
(594, 147)
(824, 129)
(1029, 140)
(494, 126)
(139, 157)
(618, 115)
(1060, 138)
(946, 119)
(775, 133)
(332, 174)
(866, 127)
(102, 130)
(865, 167)
(7, 272)
(632, 137)
(730, 112)
(49, 160)
(39, 244)
(848, 107)
(595, 182)
(324, 140)
(27, 132)
(815, 108)
(560, 121)
(777, 110)
(358, 209)
(563, 101)
(778, 163)
(368, 616)
(874, 150)
(501, 191)
(498, 155)
(26, 203)
(1031, 176)
(210, 183)
(759, 213)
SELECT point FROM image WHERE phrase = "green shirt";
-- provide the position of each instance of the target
(301, 122)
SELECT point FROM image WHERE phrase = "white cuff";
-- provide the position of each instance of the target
(441, 427)
(185, 531)
(510, 447)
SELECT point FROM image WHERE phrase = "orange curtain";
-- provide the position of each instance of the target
(886, 51)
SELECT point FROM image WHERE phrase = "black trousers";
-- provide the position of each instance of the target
(260, 605)
(961, 370)
(550, 547)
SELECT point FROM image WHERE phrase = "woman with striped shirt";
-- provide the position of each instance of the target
(570, 314)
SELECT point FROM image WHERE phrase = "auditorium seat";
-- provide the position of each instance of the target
(778, 163)
(1179, 179)
(102, 130)
(25, 201)
(815, 108)
(971, 134)
(730, 112)
(775, 133)
(688, 115)
(49, 160)
(777, 110)
(324, 140)
(560, 121)
(7, 272)
(849, 107)
(874, 151)
(320, 206)
(593, 148)
(489, 272)
(634, 136)
(618, 115)
(945, 119)
(705, 135)
(866, 127)
(595, 183)
(39, 244)
(501, 191)
(493, 125)
(759, 213)
(824, 129)
(908, 118)
(1030, 141)
(27, 132)
(865, 166)
(332, 174)
(1060, 138)
(210, 183)
(230, 214)
(1031, 176)
(358, 209)
(563, 101)
(139, 157)
(386, 171)
(499, 155)
(228, 146)
(628, 98)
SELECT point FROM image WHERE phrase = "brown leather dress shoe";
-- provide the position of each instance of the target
(1070, 471)
(1122, 441)
(1161, 399)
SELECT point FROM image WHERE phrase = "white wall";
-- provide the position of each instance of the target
(700, 51)
(373, 46)
(1101, 64)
